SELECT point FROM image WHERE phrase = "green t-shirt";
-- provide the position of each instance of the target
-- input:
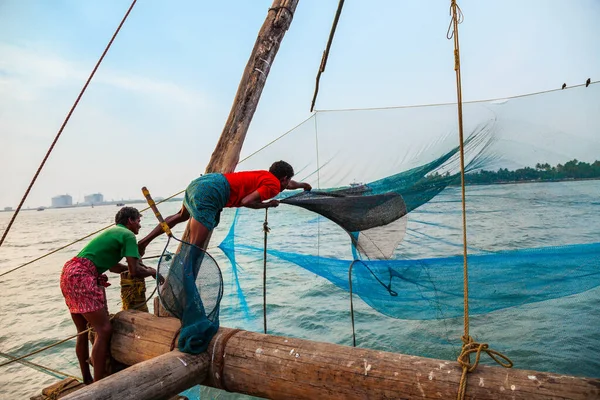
(108, 248)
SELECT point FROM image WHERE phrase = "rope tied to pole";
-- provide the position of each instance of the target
(326, 53)
(266, 231)
(469, 345)
(133, 292)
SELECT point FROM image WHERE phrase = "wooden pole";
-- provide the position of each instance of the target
(158, 378)
(282, 368)
(227, 153)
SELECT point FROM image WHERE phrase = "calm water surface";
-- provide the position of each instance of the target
(560, 335)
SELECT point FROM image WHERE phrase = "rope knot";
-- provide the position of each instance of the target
(266, 228)
(470, 346)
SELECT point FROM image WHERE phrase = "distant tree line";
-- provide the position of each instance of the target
(571, 170)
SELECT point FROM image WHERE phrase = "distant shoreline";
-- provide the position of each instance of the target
(103, 204)
(114, 203)
(527, 181)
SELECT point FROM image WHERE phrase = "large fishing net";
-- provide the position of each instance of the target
(387, 194)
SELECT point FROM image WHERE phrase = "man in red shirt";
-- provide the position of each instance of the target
(206, 196)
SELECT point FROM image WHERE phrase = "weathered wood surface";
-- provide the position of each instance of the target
(282, 368)
(68, 386)
(158, 378)
(135, 342)
(159, 310)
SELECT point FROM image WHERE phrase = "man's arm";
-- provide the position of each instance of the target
(253, 201)
(118, 268)
(299, 185)
(139, 270)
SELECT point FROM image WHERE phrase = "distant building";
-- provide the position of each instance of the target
(7, 208)
(95, 198)
(62, 201)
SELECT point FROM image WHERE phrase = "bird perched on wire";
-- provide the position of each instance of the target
(564, 85)
(587, 83)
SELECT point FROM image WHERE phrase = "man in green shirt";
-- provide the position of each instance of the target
(83, 281)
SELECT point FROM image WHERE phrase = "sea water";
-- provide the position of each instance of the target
(560, 335)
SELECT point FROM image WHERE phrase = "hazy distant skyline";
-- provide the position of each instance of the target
(172, 73)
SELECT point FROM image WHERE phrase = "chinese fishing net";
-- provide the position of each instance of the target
(387, 193)
(192, 292)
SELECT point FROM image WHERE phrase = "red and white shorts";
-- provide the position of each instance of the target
(82, 286)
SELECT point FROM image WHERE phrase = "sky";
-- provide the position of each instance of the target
(157, 105)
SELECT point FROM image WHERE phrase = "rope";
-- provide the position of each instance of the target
(147, 208)
(65, 385)
(469, 346)
(266, 230)
(451, 104)
(292, 130)
(39, 367)
(133, 292)
(351, 302)
(326, 52)
(12, 220)
(65, 340)
(80, 239)
(44, 348)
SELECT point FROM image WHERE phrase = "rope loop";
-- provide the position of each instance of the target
(469, 347)
(456, 16)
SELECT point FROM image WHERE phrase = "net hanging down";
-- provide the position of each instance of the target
(192, 289)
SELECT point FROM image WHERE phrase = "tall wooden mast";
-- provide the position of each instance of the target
(227, 153)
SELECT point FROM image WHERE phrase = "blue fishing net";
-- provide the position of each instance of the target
(388, 201)
(192, 292)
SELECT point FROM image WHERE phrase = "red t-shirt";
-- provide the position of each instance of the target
(243, 183)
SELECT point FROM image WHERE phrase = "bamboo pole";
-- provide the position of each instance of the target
(281, 368)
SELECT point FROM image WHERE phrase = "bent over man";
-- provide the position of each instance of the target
(83, 281)
(206, 196)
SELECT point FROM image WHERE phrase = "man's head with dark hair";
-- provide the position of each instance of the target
(130, 218)
(282, 171)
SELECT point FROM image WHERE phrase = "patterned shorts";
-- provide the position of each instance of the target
(82, 287)
(206, 197)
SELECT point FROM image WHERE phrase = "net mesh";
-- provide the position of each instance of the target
(192, 291)
(387, 185)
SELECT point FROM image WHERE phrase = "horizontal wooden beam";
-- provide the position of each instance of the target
(155, 379)
(282, 368)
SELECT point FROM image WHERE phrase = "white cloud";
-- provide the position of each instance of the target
(27, 71)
